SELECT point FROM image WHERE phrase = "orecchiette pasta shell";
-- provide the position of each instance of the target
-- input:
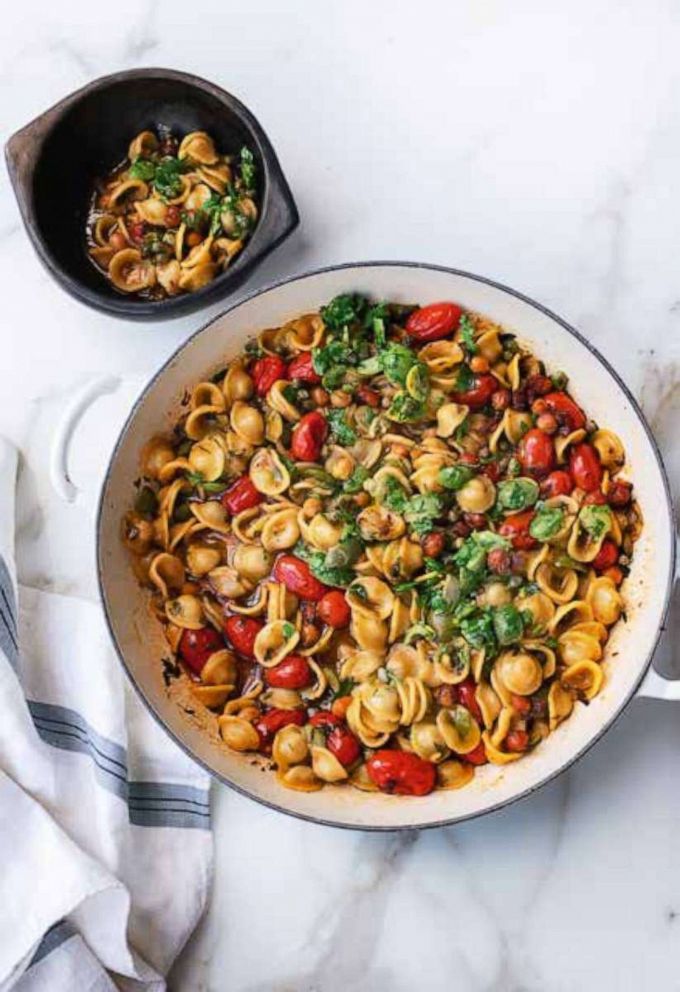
(449, 417)
(142, 145)
(488, 341)
(211, 515)
(274, 642)
(427, 742)
(168, 274)
(441, 357)
(495, 755)
(238, 734)
(128, 189)
(560, 704)
(326, 766)
(185, 611)
(559, 584)
(576, 645)
(301, 778)
(541, 608)
(198, 276)
(252, 562)
(212, 696)
(414, 698)
(207, 394)
(477, 496)
(370, 597)
(277, 400)
(489, 704)
(104, 228)
(156, 453)
(237, 384)
(402, 559)
(360, 665)
(220, 668)
(152, 211)
(281, 699)
(340, 463)
(377, 523)
(216, 176)
(584, 677)
(322, 533)
(199, 147)
(268, 473)
(520, 672)
(129, 272)
(290, 747)
(577, 611)
(227, 583)
(609, 448)
(459, 729)
(361, 780)
(167, 572)
(399, 621)
(454, 774)
(304, 333)
(207, 458)
(562, 444)
(605, 601)
(201, 421)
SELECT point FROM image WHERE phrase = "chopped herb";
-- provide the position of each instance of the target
(517, 494)
(467, 334)
(421, 512)
(343, 310)
(288, 630)
(248, 168)
(454, 476)
(465, 379)
(396, 362)
(405, 409)
(596, 520)
(356, 481)
(166, 180)
(339, 427)
(345, 687)
(507, 624)
(547, 522)
(478, 630)
(144, 169)
(146, 502)
(420, 630)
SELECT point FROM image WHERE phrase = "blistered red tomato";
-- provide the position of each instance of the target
(274, 720)
(343, 744)
(196, 646)
(433, 322)
(607, 556)
(401, 772)
(520, 704)
(297, 578)
(242, 632)
(293, 672)
(302, 368)
(308, 437)
(565, 411)
(466, 695)
(596, 498)
(619, 493)
(266, 371)
(368, 396)
(558, 483)
(477, 756)
(334, 610)
(516, 528)
(536, 452)
(241, 495)
(479, 393)
(517, 740)
(324, 718)
(585, 467)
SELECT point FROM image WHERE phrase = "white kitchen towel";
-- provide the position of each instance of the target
(105, 840)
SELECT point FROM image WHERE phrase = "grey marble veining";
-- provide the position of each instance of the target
(531, 142)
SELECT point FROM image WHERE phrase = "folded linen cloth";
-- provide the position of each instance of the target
(105, 838)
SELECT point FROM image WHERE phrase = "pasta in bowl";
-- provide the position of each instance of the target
(386, 545)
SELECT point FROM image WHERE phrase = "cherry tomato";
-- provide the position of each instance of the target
(558, 483)
(499, 560)
(536, 452)
(565, 411)
(517, 740)
(172, 215)
(291, 673)
(619, 493)
(118, 241)
(241, 495)
(242, 632)
(324, 718)
(334, 610)
(272, 721)
(297, 578)
(607, 556)
(477, 756)
(343, 744)
(433, 322)
(402, 772)
(596, 498)
(585, 468)
(196, 646)
(308, 437)
(516, 527)
(368, 396)
(520, 704)
(492, 471)
(302, 368)
(266, 371)
(466, 694)
(479, 394)
(614, 573)
(138, 230)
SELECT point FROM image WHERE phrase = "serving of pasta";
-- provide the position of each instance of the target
(173, 216)
(386, 545)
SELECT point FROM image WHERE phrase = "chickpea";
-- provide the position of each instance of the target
(479, 364)
(446, 695)
(118, 241)
(311, 506)
(399, 451)
(320, 396)
(496, 594)
(433, 544)
(546, 422)
(362, 499)
(340, 399)
(193, 239)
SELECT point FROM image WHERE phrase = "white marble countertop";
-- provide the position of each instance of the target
(534, 143)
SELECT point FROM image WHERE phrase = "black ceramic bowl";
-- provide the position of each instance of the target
(54, 160)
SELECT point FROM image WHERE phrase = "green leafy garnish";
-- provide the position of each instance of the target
(288, 630)
(405, 409)
(507, 624)
(392, 495)
(454, 476)
(467, 334)
(547, 522)
(396, 362)
(146, 502)
(339, 427)
(166, 180)
(355, 483)
(478, 630)
(343, 310)
(596, 519)
(421, 512)
(143, 168)
(517, 494)
(248, 168)
(465, 379)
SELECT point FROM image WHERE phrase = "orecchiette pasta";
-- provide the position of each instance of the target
(383, 559)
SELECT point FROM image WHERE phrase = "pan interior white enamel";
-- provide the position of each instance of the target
(138, 636)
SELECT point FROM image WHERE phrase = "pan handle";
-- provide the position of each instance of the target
(78, 406)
